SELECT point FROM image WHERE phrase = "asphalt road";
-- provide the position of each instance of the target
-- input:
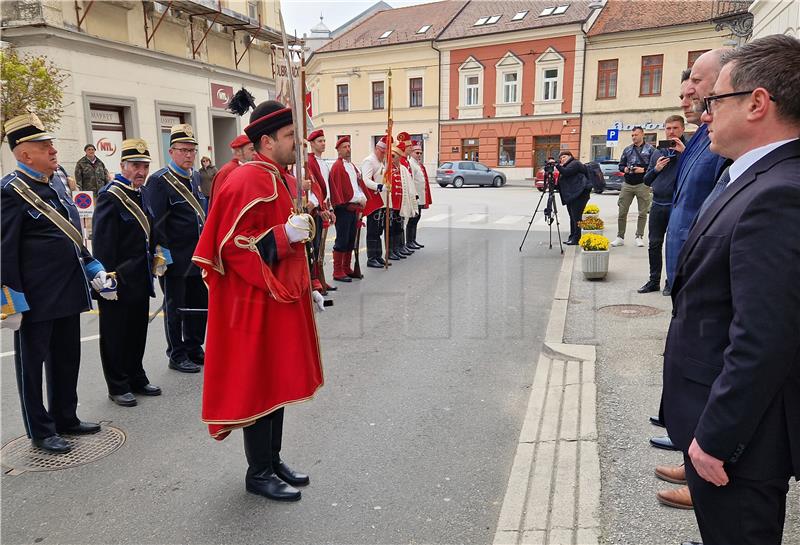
(427, 371)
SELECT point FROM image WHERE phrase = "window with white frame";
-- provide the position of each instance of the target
(510, 86)
(550, 82)
(549, 78)
(509, 80)
(472, 86)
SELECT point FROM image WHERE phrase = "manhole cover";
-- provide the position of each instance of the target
(20, 455)
(631, 311)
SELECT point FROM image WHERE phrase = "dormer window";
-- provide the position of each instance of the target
(520, 15)
(423, 29)
(386, 34)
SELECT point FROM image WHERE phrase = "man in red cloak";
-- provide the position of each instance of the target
(319, 205)
(262, 349)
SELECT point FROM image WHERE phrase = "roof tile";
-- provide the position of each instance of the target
(625, 15)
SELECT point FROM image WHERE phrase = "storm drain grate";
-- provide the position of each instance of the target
(20, 455)
(631, 311)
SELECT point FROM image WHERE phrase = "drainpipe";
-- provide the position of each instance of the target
(583, 93)
(439, 105)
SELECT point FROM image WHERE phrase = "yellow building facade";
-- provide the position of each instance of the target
(362, 112)
(633, 78)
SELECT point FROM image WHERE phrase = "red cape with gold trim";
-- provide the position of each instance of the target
(262, 349)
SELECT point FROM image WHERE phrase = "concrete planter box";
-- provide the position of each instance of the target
(594, 264)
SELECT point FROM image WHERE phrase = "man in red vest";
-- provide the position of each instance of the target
(348, 197)
(262, 348)
(319, 204)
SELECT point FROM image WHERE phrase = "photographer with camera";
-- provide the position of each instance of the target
(633, 163)
(574, 188)
(661, 175)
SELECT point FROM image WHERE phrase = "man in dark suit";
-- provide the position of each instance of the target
(732, 358)
(698, 166)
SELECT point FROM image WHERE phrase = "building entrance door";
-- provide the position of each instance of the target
(223, 129)
(469, 149)
(544, 147)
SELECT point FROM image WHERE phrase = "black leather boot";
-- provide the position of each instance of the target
(261, 478)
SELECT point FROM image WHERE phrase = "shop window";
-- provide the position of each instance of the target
(108, 132)
(599, 150)
(507, 151)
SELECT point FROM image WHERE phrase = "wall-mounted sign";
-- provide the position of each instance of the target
(168, 121)
(648, 126)
(454, 149)
(220, 95)
(105, 117)
(108, 144)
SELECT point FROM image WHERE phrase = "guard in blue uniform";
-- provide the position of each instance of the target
(121, 240)
(45, 284)
(178, 207)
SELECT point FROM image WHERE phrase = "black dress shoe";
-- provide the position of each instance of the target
(123, 400)
(662, 442)
(667, 291)
(571, 243)
(343, 279)
(418, 245)
(381, 261)
(404, 250)
(271, 486)
(374, 263)
(184, 366)
(199, 359)
(331, 288)
(649, 287)
(148, 390)
(355, 276)
(394, 256)
(414, 246)
(289, 475)
(55, 444)
(656, 421)
(83, 428)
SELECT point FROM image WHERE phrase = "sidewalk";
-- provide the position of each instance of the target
(583, 472)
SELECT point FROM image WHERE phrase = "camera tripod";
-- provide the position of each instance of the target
(550, 211)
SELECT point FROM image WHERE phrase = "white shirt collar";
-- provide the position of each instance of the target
(747, 160)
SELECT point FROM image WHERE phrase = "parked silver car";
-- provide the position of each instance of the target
(461, 173)
(612, 175)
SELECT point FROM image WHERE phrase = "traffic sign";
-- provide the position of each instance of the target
(84, 201)
(612, 135)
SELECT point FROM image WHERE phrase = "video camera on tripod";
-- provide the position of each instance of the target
(551, 209)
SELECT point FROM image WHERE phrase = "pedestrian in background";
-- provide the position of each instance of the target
(574, 188)
(633, 163)
(660, 177)
(90, 172)
(207, 173)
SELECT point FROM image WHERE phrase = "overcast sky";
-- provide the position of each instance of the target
(300, 15)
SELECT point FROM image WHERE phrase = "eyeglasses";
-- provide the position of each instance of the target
(185, 151)
(707, 101)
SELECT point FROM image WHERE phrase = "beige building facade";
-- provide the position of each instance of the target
(135, 68)
(632, 79)
(775, 17)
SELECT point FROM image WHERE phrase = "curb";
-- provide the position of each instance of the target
(553, 493)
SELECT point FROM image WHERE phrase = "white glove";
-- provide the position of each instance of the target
(108, 290)
(319, 301)
(13, 321)
(99, 280)
(298, 228)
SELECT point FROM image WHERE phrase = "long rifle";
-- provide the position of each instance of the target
(387, 171)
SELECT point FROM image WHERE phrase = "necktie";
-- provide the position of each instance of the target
(722, 183)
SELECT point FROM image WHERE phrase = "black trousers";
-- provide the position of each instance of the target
(659, 218)
(57, 345)
(395, 229)
(575, 211)
(375, 229)
(743, 512)
(123, 335)
(185, 332)
(345, 229)
(317, 242)
(411, 226)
